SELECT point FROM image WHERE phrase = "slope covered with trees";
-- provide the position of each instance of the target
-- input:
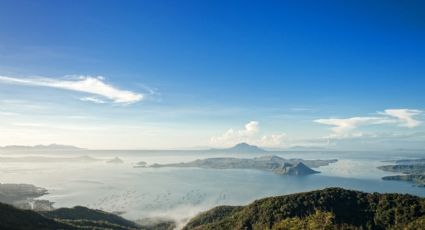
(12, 218)
(331, 208)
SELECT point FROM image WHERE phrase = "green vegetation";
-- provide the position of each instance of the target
(318, 220)
(331, 208)
(70, 218)
(13, 218)
(82, 213)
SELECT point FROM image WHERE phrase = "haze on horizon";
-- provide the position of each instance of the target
(202, 74)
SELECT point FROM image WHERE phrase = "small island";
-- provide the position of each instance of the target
(412, 170)
(299, 169)
(115, 160)
(274, 164)
(141, 164)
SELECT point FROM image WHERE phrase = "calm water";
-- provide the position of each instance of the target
(180, 193)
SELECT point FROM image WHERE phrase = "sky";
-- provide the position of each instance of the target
(197, 74)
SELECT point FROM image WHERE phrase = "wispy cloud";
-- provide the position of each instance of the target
(344, 126)
(302, 109)
(93, 99)
(249, 134)
(85, 84)
(405, 116)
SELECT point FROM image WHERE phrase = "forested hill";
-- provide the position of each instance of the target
(331, 208)
(12, 218)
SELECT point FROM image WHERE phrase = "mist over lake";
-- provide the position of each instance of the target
(181, 193)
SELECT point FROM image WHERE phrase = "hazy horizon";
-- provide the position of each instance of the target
(297, 148)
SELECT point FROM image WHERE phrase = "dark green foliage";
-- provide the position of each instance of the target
(83, 213)
(13, 218)
(65, 218)
(317, 221)
(72, 218)
(88, 224)
(416, 224)
(216, 214)
(348, 209)
(159, 225)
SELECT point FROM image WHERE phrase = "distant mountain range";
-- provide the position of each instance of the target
(40, 147)
(49, 159)
(307, 148)
(240, 148)
(247, 148)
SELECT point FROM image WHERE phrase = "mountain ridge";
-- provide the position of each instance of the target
(41, 147)
(242, 147)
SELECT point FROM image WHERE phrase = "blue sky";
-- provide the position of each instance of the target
(180, 74)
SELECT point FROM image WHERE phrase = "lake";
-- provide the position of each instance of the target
(181, 193)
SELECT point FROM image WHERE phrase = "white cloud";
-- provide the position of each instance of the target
(93, 99)
(86, 84)
(249, 134)
(232, 136)
(302, 109)
(343, 127)
(251, 128)
(405, 116)
(272, 140)
(346, 125)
